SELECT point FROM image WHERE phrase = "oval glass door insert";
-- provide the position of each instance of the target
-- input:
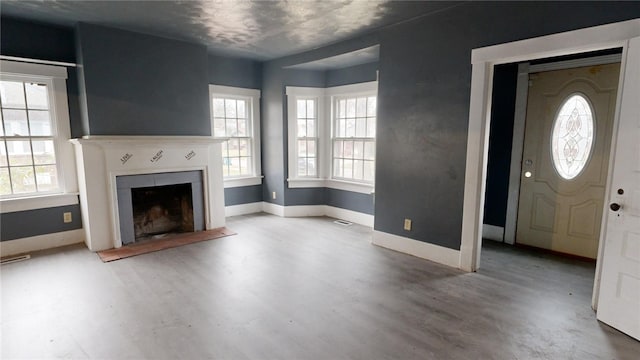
(572, 136)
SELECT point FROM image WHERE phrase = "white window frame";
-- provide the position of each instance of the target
(67, 193)
(326, 98)
(253, 98)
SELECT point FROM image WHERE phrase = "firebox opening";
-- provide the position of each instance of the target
(162, 210)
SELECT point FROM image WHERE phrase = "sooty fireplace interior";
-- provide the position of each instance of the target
(162, 203)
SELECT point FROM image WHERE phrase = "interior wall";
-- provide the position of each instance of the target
(138, 84)
(424, 90)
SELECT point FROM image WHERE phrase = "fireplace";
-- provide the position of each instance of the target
(115, 170)
(153, 205)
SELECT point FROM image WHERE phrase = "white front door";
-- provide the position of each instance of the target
(565, 158)
(619, 297)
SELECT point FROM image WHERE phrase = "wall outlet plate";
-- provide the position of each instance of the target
(67, 217)
(407, 224)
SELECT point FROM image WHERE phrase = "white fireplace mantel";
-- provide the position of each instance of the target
(100, 159)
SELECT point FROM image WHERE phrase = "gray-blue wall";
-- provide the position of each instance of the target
(138, 84)
(44, 42)
(424, 89)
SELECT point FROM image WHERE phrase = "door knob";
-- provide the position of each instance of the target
(615, 207)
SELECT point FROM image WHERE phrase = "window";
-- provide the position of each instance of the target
(235, 115)
(354, 138)
(335, 150)
(34, 132)
(572, 136)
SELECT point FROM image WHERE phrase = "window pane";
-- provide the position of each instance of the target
(225, 149)
(351, 128)
(311, 148)
(219, 127)
(242, 109)
(302, 109)
(361, 124)
(370, 150)
(371, 127)
(357, 169)
(23, 179)
(1, 125)
(234, 166)
(245, 166)
(302, 148)
(361, 107)
(348, 149)
(39, 123)
(311, 111)
(342, 109)
(37, 96)
(19, 152)
(342, 128)
(244, 147)
(337, 149)
(3, 154)
(337, 168)
(15, 122)
(47, 177)
(5, 184)
(232, 128)
(311, 128)
(234, 148)
(311, 167)
(43, 151)
(371, 106)
(302, 128)
(351, 108)
(218, 108)
(302, 167)
(369, 171)
(12, 94)
(225, 166)
(230, 108)
(348, 169)
(358, 149)
(242, 128)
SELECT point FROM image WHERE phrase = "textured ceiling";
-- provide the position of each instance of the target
(256, 29)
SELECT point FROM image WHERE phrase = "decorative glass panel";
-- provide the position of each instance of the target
(572, 136)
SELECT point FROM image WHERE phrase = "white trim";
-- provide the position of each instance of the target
(37, 61)
(353, 89)
(32, 70)
(253, 96)
(424, 250)
(144, 140)
(333, 184)
(241, 182)
(38, 202)
(273, 209)
(483, 59)
(492, 232)
(243, 209)
(569, 64)
(349, 215)
(41, 242)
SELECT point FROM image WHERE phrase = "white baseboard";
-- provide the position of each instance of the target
(41, 242)
(243, 209)
(492, 232)
(349, 215)
(417, 248)
(309, 210)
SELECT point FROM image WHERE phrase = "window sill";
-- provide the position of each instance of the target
(333, 184)
(37, 202)
(241, 182)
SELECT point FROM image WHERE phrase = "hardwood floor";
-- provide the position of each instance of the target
(301, 288)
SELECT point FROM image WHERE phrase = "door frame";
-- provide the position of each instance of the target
(519, 121)
(483, 60)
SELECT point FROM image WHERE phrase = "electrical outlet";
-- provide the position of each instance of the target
(407, 224)
(273, 195)
(67, 217)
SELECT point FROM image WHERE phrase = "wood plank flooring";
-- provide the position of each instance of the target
(300, 288)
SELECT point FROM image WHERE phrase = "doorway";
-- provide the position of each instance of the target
(560, 185)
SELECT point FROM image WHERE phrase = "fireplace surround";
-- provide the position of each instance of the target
(101, 160)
